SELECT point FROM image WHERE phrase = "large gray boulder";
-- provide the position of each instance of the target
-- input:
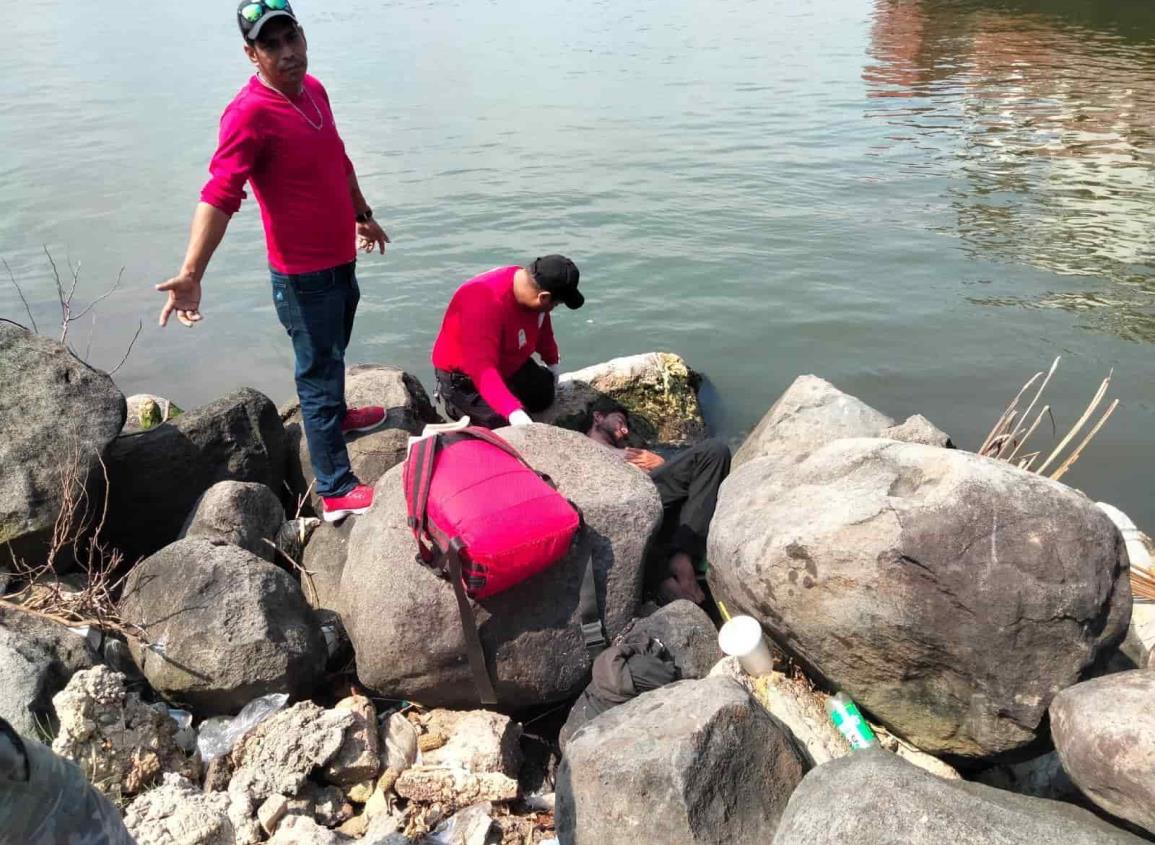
(223, 625)
(688, 635)
(873, 798)
(324, 561)
(238, 513)
(811, 413)
(950, 595)
(403, 620)
(1103, 733)
(658, 388)
(57, 415)
(692, 762)
(373, 453)
(37, 658)
(157, 476)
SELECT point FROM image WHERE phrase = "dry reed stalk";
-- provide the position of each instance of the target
(1026, 460)
(1142, 583)
(1001, 424)
(1026, 414)
(1099, 394)
(1023, 442)
(1074, 456)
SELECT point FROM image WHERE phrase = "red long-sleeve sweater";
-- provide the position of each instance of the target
(488, 336)
(299, 174)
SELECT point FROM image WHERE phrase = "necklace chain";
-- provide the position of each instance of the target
(320, 115)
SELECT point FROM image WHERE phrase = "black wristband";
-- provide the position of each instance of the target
(365, 216)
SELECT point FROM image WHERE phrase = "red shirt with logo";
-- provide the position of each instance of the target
(488, 336)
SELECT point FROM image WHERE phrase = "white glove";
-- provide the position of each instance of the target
(520, 417)
(556, 370)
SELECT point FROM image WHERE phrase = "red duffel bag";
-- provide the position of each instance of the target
(485, 520)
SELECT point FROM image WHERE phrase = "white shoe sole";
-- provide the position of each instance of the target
(333, 516)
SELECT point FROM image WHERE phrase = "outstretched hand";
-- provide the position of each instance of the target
(371, 236)
(184, 297)
(644, 459)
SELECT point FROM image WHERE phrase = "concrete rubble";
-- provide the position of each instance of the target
(121, 744)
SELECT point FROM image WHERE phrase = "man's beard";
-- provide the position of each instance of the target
(611, 434)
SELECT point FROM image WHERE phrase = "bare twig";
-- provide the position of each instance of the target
(75, 271)
(60, 296)
(91, 332)
(15, 284)
(77, 531)
(103, 296)
(127, 352)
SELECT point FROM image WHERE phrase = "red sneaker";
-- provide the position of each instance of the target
(363, 419)
(356, 501)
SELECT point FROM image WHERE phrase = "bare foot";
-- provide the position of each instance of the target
(684, 578)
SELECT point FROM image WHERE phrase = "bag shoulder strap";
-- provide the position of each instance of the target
(418, 479)
(590, 612)
(473, 649)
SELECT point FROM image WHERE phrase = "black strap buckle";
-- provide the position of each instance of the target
(594, 636)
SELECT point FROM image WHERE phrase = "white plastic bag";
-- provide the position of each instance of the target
(467, 827)
(219, 735)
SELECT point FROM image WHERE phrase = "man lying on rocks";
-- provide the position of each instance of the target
(688, 485)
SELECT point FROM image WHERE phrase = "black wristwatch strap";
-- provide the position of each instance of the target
(365, 216)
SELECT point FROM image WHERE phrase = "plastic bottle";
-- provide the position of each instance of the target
(844, 713)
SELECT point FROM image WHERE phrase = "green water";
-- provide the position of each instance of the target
(922, 201)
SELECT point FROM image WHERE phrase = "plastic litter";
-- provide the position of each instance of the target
(742, 637)
(186, 736)
(400, 743)
(433, 429)
(540, 802)
(468, 827)
(219, 735)
(89, 634)
(46, 800)
(845, 715)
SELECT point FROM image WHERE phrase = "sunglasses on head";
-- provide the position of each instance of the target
(253, 12)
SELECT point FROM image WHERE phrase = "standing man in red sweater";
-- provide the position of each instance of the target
(493, 326)
(278, 135)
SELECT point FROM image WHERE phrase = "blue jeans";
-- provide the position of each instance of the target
(317, 311)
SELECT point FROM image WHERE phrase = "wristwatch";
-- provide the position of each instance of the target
(365, 216)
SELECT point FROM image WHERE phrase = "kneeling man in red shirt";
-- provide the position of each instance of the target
(495, 322)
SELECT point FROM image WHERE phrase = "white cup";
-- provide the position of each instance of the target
(741, 637)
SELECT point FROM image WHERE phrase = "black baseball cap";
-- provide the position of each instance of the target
(558, 275)
(252, 15)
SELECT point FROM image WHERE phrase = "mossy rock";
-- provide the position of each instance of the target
(658, 388)
(146, 411)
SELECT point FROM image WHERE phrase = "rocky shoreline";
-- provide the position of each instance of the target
(164, 572)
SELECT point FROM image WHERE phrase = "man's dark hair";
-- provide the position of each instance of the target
(604, 405)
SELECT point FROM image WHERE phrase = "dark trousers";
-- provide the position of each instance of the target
(317, 311)
(688, 485)
(532, 384)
